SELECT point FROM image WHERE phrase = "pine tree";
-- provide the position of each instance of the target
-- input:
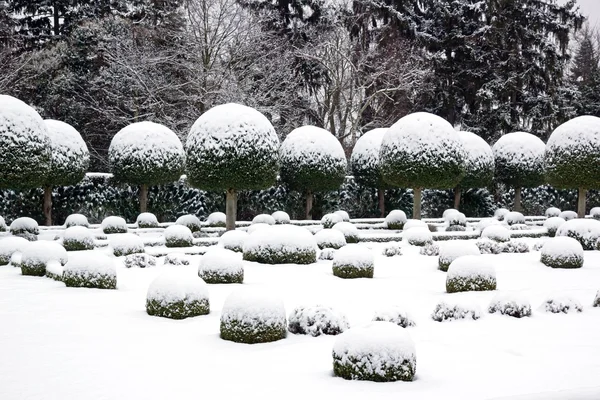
(585, 73)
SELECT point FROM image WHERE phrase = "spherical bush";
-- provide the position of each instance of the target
(511, 305)
(454, 249)
(327, 254)
(24, 225)
(485, 222)
(233, 240)
(146, 220)
(36, 256)
(220, 265)
(470, 273)
(562, 304)
(281, 217)
(568, 215)
(395, 220)
(70, 156)
(456, 219)
(487, 246)
(90, 270)
(9, 246)
(585, 231)
(114, 225)
(263, 219)
(78, 238)
(395, 315)
(562, 252)
(177, 297)
(139, 260)
(519, 158)
(379, 352)
(595, 212)
(216, 220)
(126, 243)
(479, 161)
(353, 261)
(430, 249)
(552, 224)
(364, 161)
(178, 236)
(500, 213)
(255, 227)
(343, 214)
(445, 312)
(350, 231)
(330, 238)
(76, 220)
(250, 315)
(497, 233)
(329, 220)
(418, 236)
(191, 221)
(514, 218)
(2, 225)
(281, 244)
(316, 321)
(414, 223)
(552, 212)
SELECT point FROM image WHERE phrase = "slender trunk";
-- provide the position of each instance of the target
(48, 205)
(517, 206)
(309, 204)
(56, 18)
(457, 193)
(581, 202)
(417, 203)
(143, 198)
(230, 209)
(381, 197)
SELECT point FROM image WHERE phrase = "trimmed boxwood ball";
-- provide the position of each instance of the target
(585, 231)
(24, 225)
(552, 224)
(54, 270)
(479, 161)
(349, 230)
(146, 220)
(70, 157)
(430, 249)
(177, 296)
(250, 315)
(90, 270)
(519, 158)
(395, 315)
(364, 161)
(353, 261)
(456, 228)
(456, 219)
(329, 220)
(281, 217)
(9, 246)
(552, 212)
(414, 223)
(330, 238)
(562, 304)
(511, 305)
(345, 216)
(379, 352)
(497, 233)
(487, 246)
(139, 260)
(233, 240)
(126, 243)
(216, 220)
(452, 250)
(281, 244)
(255, 227)
(263, 219)
(114, 225)
(514, 218)
(327, 254)
(417, 236)
(15, 259)
(595, 212)
(191, 221)
(317, 321)
(36, 256)
(562, 252)
(220, 265)
(500, 213)
(76, 220)
(568, 215)
(395, 220)
(515, 246)
(78, 238)
(178, 236)
(445, 312)
(470, 273)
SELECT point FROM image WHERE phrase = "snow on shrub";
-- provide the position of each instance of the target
(78, 238)
(114, 225)
(364, 161)
(126, 243)
(418, 236)
(514, 218)
(317, 321)
(395, 220)
(76, 220)
(281, 217)
(281, 244)
(500, 213)
(451, 228)
(510, 304)
(233, 240)
(329, 220)
(90, 270)
(178, 236)
(487, 246)
(597, 300)
(470, 273)
(177, 297)
(2, 225)
(380, 352)
(456, 219)
(146, 220)
(497, 233)
(139, 260)
(595, 212)
(23, 226)
(353, 261)
(430, 249)
(190, 221)
(263, 219)
(36, 255)
(485, 222)
(449, 211)
(562, 252)
(343, 214)
(216, 220)
(552, 224)
(250, 315)
(519, 227)
(327, 254)
(568, 215)
(392, 250)
(176, 259)
(15, 259)
(585, 231)
(453, 249)
(479, 162)
(332, 238)
(255, 227)
(350, 231)
(9, 246)
(562, 304)
(414, 223)
(220, 265)
(446, 311)
(395, 315)
(515, 246)
(54, 270)
(552, 212)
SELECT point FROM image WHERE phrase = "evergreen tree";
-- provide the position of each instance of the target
(585, 73)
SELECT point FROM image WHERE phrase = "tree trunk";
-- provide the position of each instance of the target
(143, 198)
(457, 192)
(48, 205)
(56, 16)
(309, 204)
(417, 203)
(381, 197)
(581, 202)
(230, 209)
(517, 206)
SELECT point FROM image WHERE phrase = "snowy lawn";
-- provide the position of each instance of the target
(75, 343)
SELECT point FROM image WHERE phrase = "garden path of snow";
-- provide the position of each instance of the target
(75, 343)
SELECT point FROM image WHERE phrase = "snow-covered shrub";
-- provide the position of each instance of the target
(552, 212)
(568, 215)
(449, 211)
(479, 161)
(470, 273)
(54, 270)
(329, 220)
(255, 227)
(126, 244)
(281, 217)
(392, 249)
(2, 225)
(349, 230)
(456, 219)
(454, 311)
(453, 228)
(500, 213)
(485, 222)
(263, 219)
(139, 260)
(36, 255)
(562, 304)
(317, 321)
(23, 226)
(15, 259)
(515, 246)
(343, 214)
(497, 233)
(395, 315)
(90, 270)
(585, 231)
(176, 259)
(78, 238)
(220, 265)
(552, 224)
(233, 240)
(511, 305)
(331, 238)
(562, 252)
(453, 249)
(281, 244)
(250, 315)
(414, 223)
(364, 161)
(191, 221)
(353, 261)
(114, 225)
(380, 352)
(9, 246)
(178, 236)
(395, 220)
(514, 218)
(327, 254)
(519, 227)
(216, 220)
(596, 300)
(595, 212)
(430, 249)
(487, 246)
(76, 220)
(177, 297)
(146, 220)
(417, 236)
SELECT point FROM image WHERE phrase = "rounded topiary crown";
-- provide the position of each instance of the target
(364, 161)
(519, 158)
(70, 156)
(232, 146)
(479, 161)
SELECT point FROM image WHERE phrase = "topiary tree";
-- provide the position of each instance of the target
(479, 164)
(572, 157)
(232, 147)
(364, 164)
(146, 154)
(312, 160)
(69, 163)
(519, 158)
(419, 151)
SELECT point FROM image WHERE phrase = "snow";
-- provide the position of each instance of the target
(178, 233)
(587, 231)
(453, 249)
(147, 219)
(414, 223)
(113, 222)
(139, 260)
(189, 220)
(514, 218)
(327, 254)
(312, 147)
(457, 218)
(577, 138)
(595, 212)
(562, 248)
(54, 269)
(348, 229)
(282, 239)
(365, 154)
(553, 223)
(170, 287)
(126, 243)
(329, 220)
(354, 255)
(520, 151)
(76, 220)
(510, 304)
(263, 219)
(447, 311)
(478, 154)
(256, 227)
(332, 238)
(343, 214)
(497, 233)
(10, 245)
(281, 217)
(448, 212)
(216, 219)
(251, 307)
(552, 212)
(24, 224)
(317, 321)
(562, 304)
(2, 224)
(418, 236)
(43, 251)
(221, 261)
(470, 266)
(395, 217)
(485, 222)
(500, 213)
(69, 151)
(396, 315)
(233, 240)
(89, 265)
(568, 215)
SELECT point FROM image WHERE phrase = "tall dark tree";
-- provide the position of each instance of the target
(585, 72)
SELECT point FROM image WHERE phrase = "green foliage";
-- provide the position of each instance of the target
(74, 278)
(178, 242)
(353, 368)
(562, 261)
(72, 244)
(215, 276)
(351, 271)
(266, 255)
(251, 331)
(33, 268)
(70, 158)
(125, 251)
(470, 283)
(114, 229)
(180, 309)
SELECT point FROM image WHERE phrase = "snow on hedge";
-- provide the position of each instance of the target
(453, 249)
(219, 265)
(470, 273)
(595, 213)
(562, 252)
(191, 221)
(281, 217)
(233, 240)
(91, 270)
(514, 218)
(113, 225)
(380, 352)
(510, 304)
(139, 260)
(418, 236)
(9, 246)
(452, 311)
(585, 231)
(126, 243)
(263, 219)
(2, 224)
(349, 230)
(562, 304)
(568, 215)
(36, 255)
(552, 212)
(146, 220)
(497, 233)
(364, 161)
(76, 220)
(414, 223)
(353, 261)
(216, 219)
(456, 219)
(552, 224)
(281, 244)
(78, 238)
(343, 214)
(255, 227)
(177, 296)
(395, 219)
(519, 158)
(485, 222)
(70, 157)
(178, 236)
(316, 321)
(479, 161)
(24, 225)
(329, 220)
(176, 259)
(396, 315)
(330, 238)
(500, 213)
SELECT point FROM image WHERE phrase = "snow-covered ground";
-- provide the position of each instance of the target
(76, 343)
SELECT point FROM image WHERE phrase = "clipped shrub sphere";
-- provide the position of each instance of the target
(353, 261)
(76, 220)
(514, 218)
(500, 213)
(70, 157)
(146, 220)
(552, 224)
(36, 256)
(430, 249)
(470, 273)
(343, 214)
(78, 238)
(562, 252)
(139, 260)
(90, 270)
(327, 254)
(349, 230)
(281, 244)
(24, 225)
(216, 220)
(317, 321)
(330, 238)
(595, 212)
(454, 249)
(453, 311)
(392, 250)
(395, 220)
(364, 161)
(263, 219)
(190, 221)
(126, 243)
(176, 259)
(329, 220)
(177, 297)
(511, 305)
(233, 240)
(456, 219)
(9, 246)
(114, 225)
(479, 161)
(519, 158)
(497, 233)
(552, 212)
(414, 223)
(585, 231)
(568, 215)
(178, 236)
(417, 236)
(281, 217)
(220, 265)
(255, 227)
(395, 315)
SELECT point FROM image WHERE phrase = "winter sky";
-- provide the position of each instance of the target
(591, 8)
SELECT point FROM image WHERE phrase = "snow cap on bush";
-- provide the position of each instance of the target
(281, 217)
(343, 214)
(76, 220)
(263, 219)
(510, 304)
(177, 296)
(233, 240)
(114, 225)
(191, 221)
(396, 315)
(78, 238)
(414, 223)
(452, 311)
(364, 161)
(514, 218)
(219, 265)
(417, 236)
(519, 158)
(24, 225)
(562, 252)
(70, 157)
(178, 236)
(349, 230)
(353, 261)
(139, 260)
(316, 321)
(2, 225)
(146, 220)
(485, 222)
(281, 244)
(595, 212)
(479, 161)
(497, 233)
(395, 219)
(568, 215)
(454, 249)
(552, 224)
(585, 231)
(470, 273)
(330, 238)
(126, 243)
(329, 220)
(36, 256)
(500, 213)
(9, 246)
(552, 212)
(562, 304)
(91, 270)
(456, 219)
(216, 220)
